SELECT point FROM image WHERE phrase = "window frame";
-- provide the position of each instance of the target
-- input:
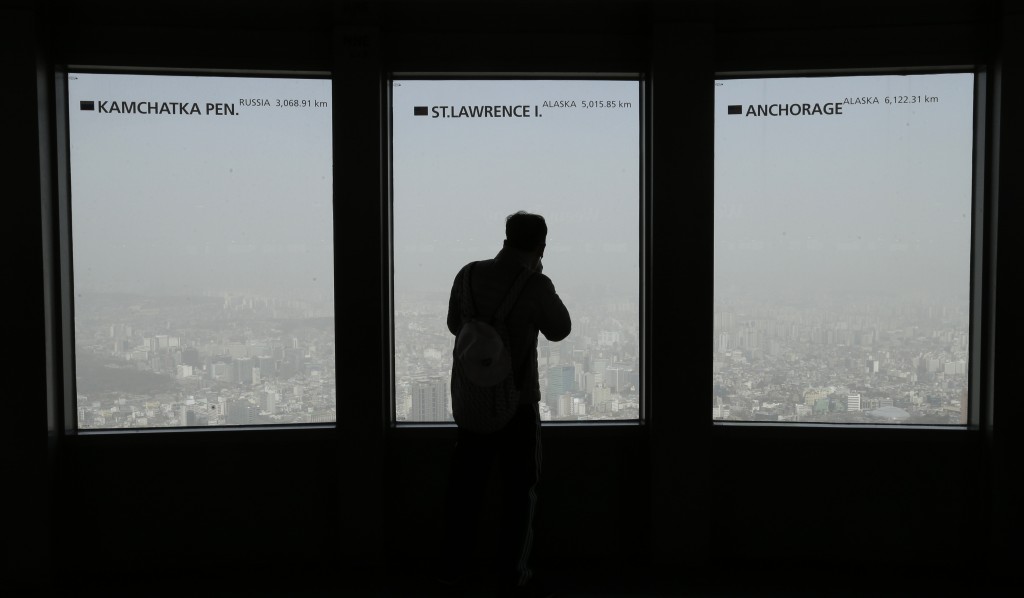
(980, 292)
(644, 197)
(384, 48)
(68, 396)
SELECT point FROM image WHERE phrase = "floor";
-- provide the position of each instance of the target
(944, 579)
(844, 583)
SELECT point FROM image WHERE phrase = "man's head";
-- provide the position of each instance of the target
(526, 232)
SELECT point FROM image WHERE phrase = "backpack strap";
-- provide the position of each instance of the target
(467, 305)
(513, 295)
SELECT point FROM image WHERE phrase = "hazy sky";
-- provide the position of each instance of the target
(455, 180)
(169, 203)
(875, 200)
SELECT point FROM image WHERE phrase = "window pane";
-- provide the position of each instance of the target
(842, 248)
(466, 154)
(203, 251)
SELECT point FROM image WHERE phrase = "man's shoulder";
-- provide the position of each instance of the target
(467, 267)
(477, 263)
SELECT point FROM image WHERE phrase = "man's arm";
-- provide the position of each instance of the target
(554, 320)
(455, 304)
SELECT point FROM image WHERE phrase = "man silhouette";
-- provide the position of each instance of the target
(515, 449)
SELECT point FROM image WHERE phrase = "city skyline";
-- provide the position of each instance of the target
(149, 362)
(859, 351)
(202, 234)
(843, 206)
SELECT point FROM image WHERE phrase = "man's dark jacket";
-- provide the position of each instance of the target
(539, 309)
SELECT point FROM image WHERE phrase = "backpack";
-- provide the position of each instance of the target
(484, 393)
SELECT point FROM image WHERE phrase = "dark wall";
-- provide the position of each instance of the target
(1004, 443)
(677, 496)
(249, 510)
(27, 450)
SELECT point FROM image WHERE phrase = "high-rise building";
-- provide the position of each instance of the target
(853, 402)
(190, 356)
(243, 370)
(607, 338)
(267, 365)
(192, 418)
(564, 405)
(241, 412)
(617, 376)
(561, 380)
(222, 372)
(295, 359)
(429, 400)
(811, 397)
(602, 398)
(269, 403)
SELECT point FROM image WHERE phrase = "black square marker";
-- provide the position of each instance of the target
(419, 111)
(87, 105)
(736, 109)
